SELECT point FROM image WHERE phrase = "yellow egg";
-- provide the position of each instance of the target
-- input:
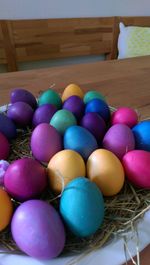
(6, 209)
(64, 165)
(72, 90)
(106, 170)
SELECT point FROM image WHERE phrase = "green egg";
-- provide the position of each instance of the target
(50, 97)
(62, 119)
(91, 95)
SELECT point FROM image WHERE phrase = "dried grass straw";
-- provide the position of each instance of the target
(121, 213)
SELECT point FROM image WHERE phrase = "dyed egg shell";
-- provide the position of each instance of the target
(6, 209)
(4, 147)
(142, 135)
(76, 105)
(62, 120)
(21, 113)
(80, 140)
(95, 124)
(63, 167)
(82, 207)
(91, 95)
(72, 90)
(45, 142)
(50, 97)
(136, 164)
(126, 116)
(43, 114)
(25, 178)
(38, 230)
(119, 139)
(7, 127)
(99, 106)
(3, 167)
(106, 170)
(20, 94)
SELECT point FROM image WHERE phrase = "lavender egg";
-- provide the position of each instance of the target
(76, 105)
(119, 139)
(38, 230)
(43, 114)
(3, 167)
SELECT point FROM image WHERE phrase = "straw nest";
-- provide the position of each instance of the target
(121, 211)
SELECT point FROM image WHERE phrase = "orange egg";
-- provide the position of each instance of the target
(64, 166)
(6, 209)
(72, 90)
(106, 170)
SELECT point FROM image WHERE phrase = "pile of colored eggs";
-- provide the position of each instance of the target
(85, 149)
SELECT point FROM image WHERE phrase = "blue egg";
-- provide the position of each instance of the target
(142, 135)
(80, 140)
(82, 207)
(99, 106)
(7, 127)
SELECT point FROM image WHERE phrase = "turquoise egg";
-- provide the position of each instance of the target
(50, 97)
(91, 95)
(82, 207)
(141, 133)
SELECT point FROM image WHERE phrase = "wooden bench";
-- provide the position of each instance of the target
(45, 39)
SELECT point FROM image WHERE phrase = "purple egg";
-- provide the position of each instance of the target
(4, 147)
(38, 230)
(45, 142)
(119, 139)
(76, 105)
(25, 179)
(21, 113)
(7, 127)
(95, 124)
(23, 95)
(43, 114)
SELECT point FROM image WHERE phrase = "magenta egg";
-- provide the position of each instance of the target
(119, 139)
(136, 164)
(4, 147)
(126, 116)
(76, 105)
(38, 230)
(43, 114)
(25, 179)
(45, 142)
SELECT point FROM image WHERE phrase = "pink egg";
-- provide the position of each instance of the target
(45, 142)
(119, 139)
(136, 164)
(125, 115)
(4, 147)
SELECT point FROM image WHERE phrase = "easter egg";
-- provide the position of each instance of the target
(125, 115)
(43, 114)
(38, 230)
(141, 133)
(21, 113)
(99, 106)
(7, 127)
(62, 120)
(3, 167)
(106, 170)
(23, 95)
(82, 207)
(136, 164)
(6, 209)
(80, 140)
(50, 97)
(45, 142)
(72, 90)
(75, 105)
(63, 167)
(91, 95)
(95, 124)
(25, 178)
(119, 139)
(4, 147)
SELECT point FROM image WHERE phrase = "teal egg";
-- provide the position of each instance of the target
(91, 95)
(50, 97)
(63, 119)
(82, 207)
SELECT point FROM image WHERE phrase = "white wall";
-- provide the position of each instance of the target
(72, 8)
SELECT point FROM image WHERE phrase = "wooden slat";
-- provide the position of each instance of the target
(2, 49)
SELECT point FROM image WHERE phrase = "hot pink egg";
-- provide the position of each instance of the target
(4, 147)
(125, 115)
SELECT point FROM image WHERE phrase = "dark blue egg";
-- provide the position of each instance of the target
(142, 135)
(99, 106)
(7, 127)
(80, 140)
